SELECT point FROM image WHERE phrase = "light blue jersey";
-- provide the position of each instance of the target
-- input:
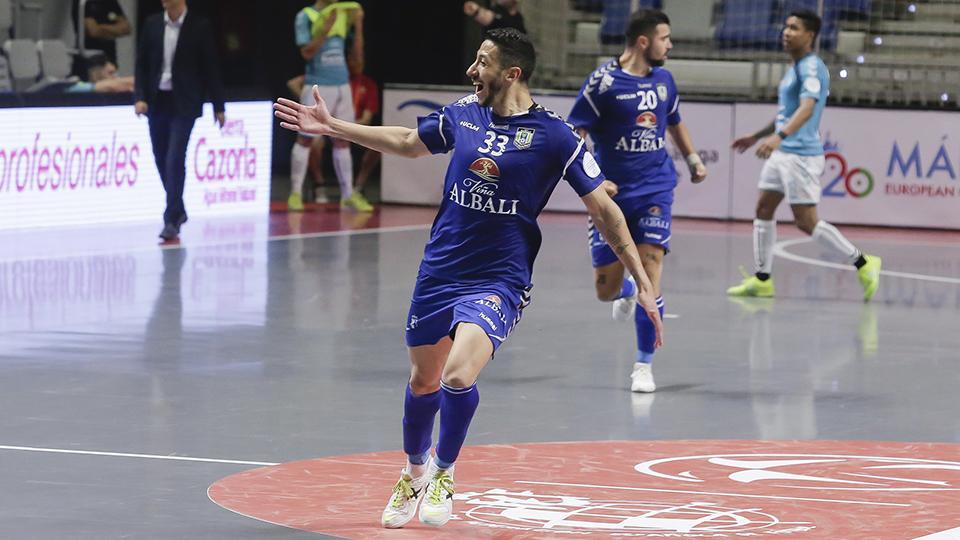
(808, 78)
(329, 66)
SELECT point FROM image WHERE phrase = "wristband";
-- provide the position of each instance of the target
(781, 134)
(694, 159)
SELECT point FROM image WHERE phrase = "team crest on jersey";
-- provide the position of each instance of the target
(523, 138)
(486, 168)
(647, 120)
(662, 91)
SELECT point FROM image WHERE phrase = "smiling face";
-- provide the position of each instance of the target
(486, 74)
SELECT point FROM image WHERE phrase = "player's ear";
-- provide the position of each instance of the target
(513, 74)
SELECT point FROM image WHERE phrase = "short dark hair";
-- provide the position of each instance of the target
(515, 49)
(811, 21)
(643, 23)
(95, 61)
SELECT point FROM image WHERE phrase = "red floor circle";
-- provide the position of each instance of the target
(631, 489)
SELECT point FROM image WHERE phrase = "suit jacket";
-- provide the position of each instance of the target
(195, 70)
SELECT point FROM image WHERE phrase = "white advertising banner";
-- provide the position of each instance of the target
(420, 181)
(883, 167)
(84, 165)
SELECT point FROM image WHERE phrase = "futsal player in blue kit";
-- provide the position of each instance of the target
(795, 161)
(508, 154)
(627, 106)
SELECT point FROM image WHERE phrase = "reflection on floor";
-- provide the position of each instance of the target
(265, 341)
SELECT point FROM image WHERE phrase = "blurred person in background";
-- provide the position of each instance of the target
(503, 14)
(100, 24)
(177, 69)
(366, 105)
(102, 77)
(321, 32)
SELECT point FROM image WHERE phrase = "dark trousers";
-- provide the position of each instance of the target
(169, 134)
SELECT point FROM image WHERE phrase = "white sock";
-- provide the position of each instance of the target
(416, 471)
(829, 237)
(299, 159)
(764, 237)
(343, 164)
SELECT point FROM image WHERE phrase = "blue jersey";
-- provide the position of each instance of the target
(500, 176)
(328, 67)
(627, 117)
(809, 78)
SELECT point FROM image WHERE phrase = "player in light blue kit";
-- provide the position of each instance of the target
(794, 153)
(508, 156)
(627, 106)
(321, 31)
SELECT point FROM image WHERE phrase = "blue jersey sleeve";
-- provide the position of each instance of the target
(301, 29)
(581, 170)
(811, 80)
(585, 113)
(436, 130)
(673, 116)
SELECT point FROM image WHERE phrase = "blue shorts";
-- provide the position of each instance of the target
(438, 306)
(648, 218)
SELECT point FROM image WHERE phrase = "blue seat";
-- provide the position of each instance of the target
(752, 24)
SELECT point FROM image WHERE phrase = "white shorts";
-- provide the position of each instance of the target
(339, 101)
(797, 177)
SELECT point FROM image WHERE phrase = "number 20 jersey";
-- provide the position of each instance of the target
(627, 118)
(501, 174)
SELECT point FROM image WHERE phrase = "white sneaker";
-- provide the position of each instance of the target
(642, 378)
(402, 505)
(437, 506)
(624, 308)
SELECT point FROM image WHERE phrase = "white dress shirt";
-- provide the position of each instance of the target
(171, 33)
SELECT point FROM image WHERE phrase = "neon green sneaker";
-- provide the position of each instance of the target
(295, 203)
(752, 286)
(437, 506)
(869, 275)
(358, 202)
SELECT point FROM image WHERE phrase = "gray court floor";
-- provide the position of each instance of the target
(240, 350)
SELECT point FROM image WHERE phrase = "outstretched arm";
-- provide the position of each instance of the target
(743, 143)
(316, 120)
(609, 219)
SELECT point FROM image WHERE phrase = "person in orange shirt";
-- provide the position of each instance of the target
(366, 106)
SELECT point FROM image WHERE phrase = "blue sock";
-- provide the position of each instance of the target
(628, 289)
(456, 410)
(646, 333)
(418, 415)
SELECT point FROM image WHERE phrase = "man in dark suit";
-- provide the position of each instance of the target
(176, 73)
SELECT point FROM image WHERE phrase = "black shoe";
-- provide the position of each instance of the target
(169, 232)
(179, 222)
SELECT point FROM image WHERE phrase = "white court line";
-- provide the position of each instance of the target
(780, 251)
(141, 456)
(148, 248)
(952, 534)
(779, 497)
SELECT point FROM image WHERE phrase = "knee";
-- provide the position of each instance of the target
(421, 385)
(457, 379)
(607, 291)
(765, 212)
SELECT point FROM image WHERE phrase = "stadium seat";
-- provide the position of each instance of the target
(749, 24)
(6, 18)
(6, 85)
(24, 62)
(55, 59)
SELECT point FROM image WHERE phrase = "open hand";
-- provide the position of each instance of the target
(743, 143)
(294, 116)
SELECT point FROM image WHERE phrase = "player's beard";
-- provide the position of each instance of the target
(654, 62)
(492, 88)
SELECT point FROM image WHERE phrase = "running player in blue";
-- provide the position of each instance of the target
(508, 154)
(794, 153)
(627, 106)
